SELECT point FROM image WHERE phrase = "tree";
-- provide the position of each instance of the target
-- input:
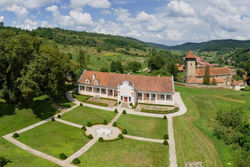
(156, 62)
(3, 161)
(134, 66)
(113, 66)
(247, 68)
(214, 81)
(172, 69)
(104, 69)
(82, 60)
(206, 78)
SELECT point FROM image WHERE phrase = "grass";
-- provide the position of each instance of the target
(17, 119)
(54, 138)
(160, 112)
(194, 130)
(126, 153)
(85, 99)
(143, 126)
(82, 115)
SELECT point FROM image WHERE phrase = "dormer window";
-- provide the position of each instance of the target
(87, 81)
(94, 77)
(96, 82)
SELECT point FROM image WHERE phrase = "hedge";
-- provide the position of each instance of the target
(176, 109)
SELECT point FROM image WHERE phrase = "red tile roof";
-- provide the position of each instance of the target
(191, 55)
(218, 80)
(238, 83)
(214, 71)
(143, 83)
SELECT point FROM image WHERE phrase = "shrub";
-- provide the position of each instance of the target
(115, 111)
(89, 124)
(119, 102)
(90, 136)
(131, 104)
(124, 131)
(100, 139)
(165, 137)
(164, 117)
(124, 112)
(62, 156)
(84, 128)
(15, 135)
(80, 104)
(4, 161)
(120, 136)
(114, 124)
(105, 122)
(165, 142)
(76, 161)
(52, 119)
(59, 116)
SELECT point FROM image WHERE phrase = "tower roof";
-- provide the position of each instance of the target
(190, 55)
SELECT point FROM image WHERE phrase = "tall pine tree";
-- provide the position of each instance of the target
(206, 78)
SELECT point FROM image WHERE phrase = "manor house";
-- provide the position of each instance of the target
(127, 88)
(194, 74)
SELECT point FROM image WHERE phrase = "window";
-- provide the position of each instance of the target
(168, 97)
(97, 90)
(129, 99)
(147, 95)
(81, 87)
(87, 81)
(139, 94)
(96, 82)
(153, 95)
(162, 96)
(121, 97)
(90, 89)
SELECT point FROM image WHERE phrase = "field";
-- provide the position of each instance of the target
(54, 138)
(18, 119)
(193, 131)
(143, 126)
(82, 115)
(126, 153)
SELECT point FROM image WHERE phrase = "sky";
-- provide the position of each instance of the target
(168, 22)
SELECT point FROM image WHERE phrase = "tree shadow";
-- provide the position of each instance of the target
(6, 109)
(43, 109)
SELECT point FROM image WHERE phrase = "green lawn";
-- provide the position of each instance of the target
(54, 138)
(194, 131)
(82, 115)
(143, 126)
(126, 153)
(18, 119)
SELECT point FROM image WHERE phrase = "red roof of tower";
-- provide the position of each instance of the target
(190, 55)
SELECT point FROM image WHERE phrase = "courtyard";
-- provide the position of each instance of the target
(69, 132)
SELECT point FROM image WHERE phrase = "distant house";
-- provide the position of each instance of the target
(180, 67)
(127, 88)
(194, 75)
(237, 85)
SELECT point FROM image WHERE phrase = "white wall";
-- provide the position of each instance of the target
(127, 90)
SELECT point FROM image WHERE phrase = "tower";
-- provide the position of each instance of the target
(190, 66)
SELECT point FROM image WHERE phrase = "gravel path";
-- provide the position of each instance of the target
(66, 163)
(144, 139)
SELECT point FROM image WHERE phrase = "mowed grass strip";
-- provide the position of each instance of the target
(54, 138)
(194, 130)
(143, 126)
(82, 115)
(126, 153)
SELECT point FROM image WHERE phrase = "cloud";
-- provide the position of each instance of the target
(92, 3)
(27, 24)
(180, 8)
(21, 12)
(75, 17)
(26, 3)
(1, 18)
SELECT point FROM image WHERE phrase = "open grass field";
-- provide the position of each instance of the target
(194, 131)
(18, 119)
(126, 153)
(54, 138)
(143, 126)
(82, 115)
